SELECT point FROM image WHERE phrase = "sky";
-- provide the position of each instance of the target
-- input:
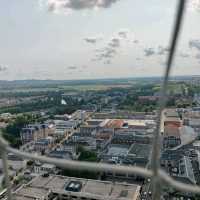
(88, 39)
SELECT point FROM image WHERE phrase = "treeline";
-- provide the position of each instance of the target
(12, 132)
(131, 102)
(51, 102)
(21, 94)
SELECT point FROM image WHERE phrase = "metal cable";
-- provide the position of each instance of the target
(102, 167)
(3, 152)
(69, 164)
(162, 101)
(157, 174)
(169, 181)
(6, 174)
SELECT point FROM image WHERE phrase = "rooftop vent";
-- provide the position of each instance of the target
(74, 186)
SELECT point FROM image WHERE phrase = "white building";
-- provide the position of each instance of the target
(64, 128)
(59, 187)
(40, 168)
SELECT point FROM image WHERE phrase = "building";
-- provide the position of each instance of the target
(95, 122)
(171, 136)
(172, 121)
(171, 113)
(185, 171)
(120, 114)
(103, 134)
(103, 138)
(75, 140)
(14, 165)
(144, 99)
(44, 144)
(33, 132)
(130, 136)
(171, 158)
(62, 117)
(171, 117)
(115, 154)
(138, 154)
(86, 130)
(59, 187)
(40, 168)
(68, 154)
(136, 124)
(64, 128)
(135, 154)
(80, 115)
(113, 124)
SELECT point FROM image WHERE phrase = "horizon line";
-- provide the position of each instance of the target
(106, 78)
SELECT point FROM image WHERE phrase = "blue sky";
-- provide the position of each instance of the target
(81, 39)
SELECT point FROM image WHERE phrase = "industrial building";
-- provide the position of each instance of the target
(68, 188)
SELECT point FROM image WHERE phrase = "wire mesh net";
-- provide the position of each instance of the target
(157, 175)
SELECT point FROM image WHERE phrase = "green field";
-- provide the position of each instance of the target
(93, 87)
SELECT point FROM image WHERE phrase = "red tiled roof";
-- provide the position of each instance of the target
(171, 130)
(115, 123)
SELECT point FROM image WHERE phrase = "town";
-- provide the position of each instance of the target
(114, 125)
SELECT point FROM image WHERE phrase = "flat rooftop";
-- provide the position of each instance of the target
(172, 119)
(135, 122)
(171, 130)
(114, 123)
(118, 150)
(28, 192)
(140, 150)
(19, 197)
(89, 188)
(171, 113)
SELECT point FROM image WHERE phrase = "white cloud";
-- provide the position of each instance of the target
(136, 41)
(124, 33)
(109, 51)
(72, 67)
(184, 55)
(149, 52)
(114, 42)
(194, 5)
(194, 44)
(93, 40)
(3, 68)
(90, 40)
(197, 56)
(67, 5)
(113, 45)
(162, 50)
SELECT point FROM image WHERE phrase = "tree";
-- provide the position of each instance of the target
(30, 163)
(89, 156)
(12, 131)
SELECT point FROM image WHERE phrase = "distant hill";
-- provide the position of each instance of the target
(46, 83)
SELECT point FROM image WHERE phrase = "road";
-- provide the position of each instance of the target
(146, 193)
(62, 140)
